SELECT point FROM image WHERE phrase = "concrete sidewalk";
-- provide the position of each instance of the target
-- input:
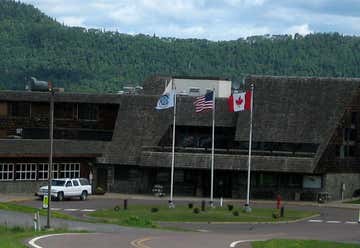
(15, 197)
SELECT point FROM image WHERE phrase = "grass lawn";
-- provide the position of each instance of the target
(13, 237)
(283, 243)
(26, 209)
(354, 202)
(143, 216)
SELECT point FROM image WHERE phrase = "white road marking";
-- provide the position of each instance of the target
(32, 242)
(203, 230)
(233, 244)
(316, 221)
(351, 222)
(333, 222)
(56, 209)
(71, 209)
(88, 210)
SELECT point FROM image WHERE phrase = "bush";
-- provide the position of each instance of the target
(276, 213)
(99, 191)
(196, 210)
(230, 207)
(190, 205)
(236, 213)
(154, 210)
(137, 221)
(117, 208)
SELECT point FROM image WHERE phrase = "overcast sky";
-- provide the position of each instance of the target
(207, 19)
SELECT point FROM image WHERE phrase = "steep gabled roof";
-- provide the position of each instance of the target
(296, 109)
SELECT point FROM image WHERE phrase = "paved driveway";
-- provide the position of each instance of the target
(338, 224)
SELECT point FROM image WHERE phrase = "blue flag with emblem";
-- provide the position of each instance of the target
(166, 100)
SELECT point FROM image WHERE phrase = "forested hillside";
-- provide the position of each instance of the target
(33, 44)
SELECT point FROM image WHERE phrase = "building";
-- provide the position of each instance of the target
(305, 140)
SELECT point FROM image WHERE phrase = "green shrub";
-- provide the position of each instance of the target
(190, 205)
(117, 208)
(196, 210)
(275, 215)
(236, 213)
(99, 191)
(139, 221)
(230, 207)
(154, 210)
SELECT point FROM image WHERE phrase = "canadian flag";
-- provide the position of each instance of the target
(240, 101)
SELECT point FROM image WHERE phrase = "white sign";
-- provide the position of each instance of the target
(312, 182)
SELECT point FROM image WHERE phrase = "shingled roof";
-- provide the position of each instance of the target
(296, 109)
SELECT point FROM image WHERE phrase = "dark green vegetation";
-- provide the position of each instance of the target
(145, 216)
(12, 237)
(27, 209)
(32, 44)
(283, 243)
(354, 202)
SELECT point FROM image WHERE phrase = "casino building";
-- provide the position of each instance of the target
(305, 139)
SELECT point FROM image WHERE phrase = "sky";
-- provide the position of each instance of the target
(207, 19)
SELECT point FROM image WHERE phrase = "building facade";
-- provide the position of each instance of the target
(305, 140)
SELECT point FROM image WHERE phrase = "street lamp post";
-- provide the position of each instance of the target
(51, 135)
(43, 86)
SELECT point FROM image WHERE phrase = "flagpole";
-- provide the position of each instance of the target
(171, 203)
(247, 205)
(212, 152)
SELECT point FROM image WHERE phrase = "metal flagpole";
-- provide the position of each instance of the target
(247, 205)
(212, 152)
(171, 203)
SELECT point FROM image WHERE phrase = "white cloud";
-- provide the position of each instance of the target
(245, 3)
(300, 29)
(210, 19)
(126, 14)
(72, 21)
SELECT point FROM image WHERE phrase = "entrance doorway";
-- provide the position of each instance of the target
(102, 178)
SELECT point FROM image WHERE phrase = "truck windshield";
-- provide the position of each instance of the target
(57, 183)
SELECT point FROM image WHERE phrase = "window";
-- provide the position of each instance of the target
(70, 170)
(19, 109)
(84, 181)
(68, 184)
(55, 171)
(75, 183)
(353, 118)
(265, 179)
(162, 177)
(312, 182)
(194, 91)
(88, 111)
(64, 111)
(345, 151)
(26, 171)
(6, 172)
(121, 173)
(43, 171)
(179, 176)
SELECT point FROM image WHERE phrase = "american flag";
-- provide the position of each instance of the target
(204, 102)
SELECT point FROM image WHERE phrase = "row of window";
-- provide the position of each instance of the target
(69, 111)
(37, 171)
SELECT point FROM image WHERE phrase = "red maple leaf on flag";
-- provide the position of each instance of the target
(239, 101)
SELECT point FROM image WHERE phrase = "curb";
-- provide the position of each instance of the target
(245, 223)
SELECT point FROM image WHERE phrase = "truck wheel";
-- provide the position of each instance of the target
(60, 196)
(84, 195)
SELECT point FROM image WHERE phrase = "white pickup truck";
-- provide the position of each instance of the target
(66, 188)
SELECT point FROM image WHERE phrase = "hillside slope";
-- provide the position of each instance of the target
(33, 44)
